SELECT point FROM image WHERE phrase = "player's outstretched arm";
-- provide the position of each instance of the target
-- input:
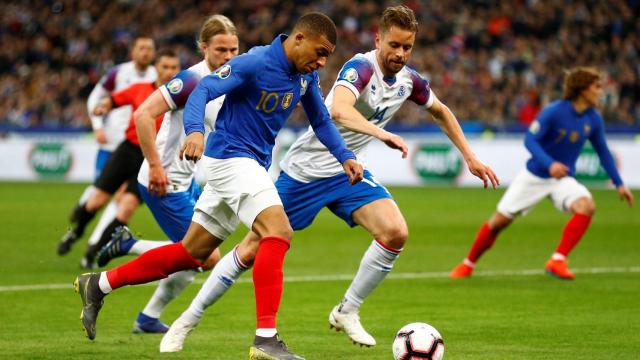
(145, 120)
(344, 113)
(450, 126)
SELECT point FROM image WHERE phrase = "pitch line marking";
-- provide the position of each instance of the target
(349, 277)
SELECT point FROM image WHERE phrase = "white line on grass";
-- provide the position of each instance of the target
(348, 277)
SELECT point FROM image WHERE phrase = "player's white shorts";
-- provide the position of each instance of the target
(527, 190)
(237, 189)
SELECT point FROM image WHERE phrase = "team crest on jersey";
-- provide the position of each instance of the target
(534, 127)
(223, 72)
(574, 137)
(587, 129)
(286, 100)
(175, 86)
(351, 75)
(303, 86)
(401, 91)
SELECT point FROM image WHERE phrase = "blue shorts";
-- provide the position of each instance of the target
(173, 212)
(101, 159)
(303, 201)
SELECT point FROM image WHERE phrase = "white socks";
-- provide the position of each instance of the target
(223, 275)
(107, 217)
(103, 283)
(142, 246)
(85, 195)
(167, 290)
(374, 267)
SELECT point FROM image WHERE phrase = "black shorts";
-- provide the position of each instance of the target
(123, 165)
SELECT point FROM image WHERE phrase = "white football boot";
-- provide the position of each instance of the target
(174, 338)
(350, 324)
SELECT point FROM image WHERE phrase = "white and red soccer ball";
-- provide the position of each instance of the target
(418, 341)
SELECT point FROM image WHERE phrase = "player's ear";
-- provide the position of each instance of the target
(299, 36)
(378, 39)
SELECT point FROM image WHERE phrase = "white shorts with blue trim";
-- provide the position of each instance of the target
(237, 189)
(527, 190)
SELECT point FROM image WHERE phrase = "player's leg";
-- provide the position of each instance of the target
(387, 226)
(222, 277)
(523, 194)
(570, 196)
(485, 238)
(153, 265)
(111, 178)
(301, 201)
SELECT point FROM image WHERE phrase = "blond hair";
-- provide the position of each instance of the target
(214, 25)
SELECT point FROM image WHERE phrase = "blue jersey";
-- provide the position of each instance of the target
(559, 134)
(262, 88)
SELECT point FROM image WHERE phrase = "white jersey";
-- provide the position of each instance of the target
(117, 120)
(171, 134)
(377, 98)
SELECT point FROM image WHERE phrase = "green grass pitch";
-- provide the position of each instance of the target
(500, 315)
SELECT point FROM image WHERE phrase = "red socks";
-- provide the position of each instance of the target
(484, 240)
(153, 265)
(268, 279)
(572, 233)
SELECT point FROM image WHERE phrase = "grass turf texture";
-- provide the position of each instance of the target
(485, 317)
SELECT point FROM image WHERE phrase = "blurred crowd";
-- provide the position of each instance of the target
(493, 62)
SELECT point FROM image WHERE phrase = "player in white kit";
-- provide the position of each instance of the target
(166, 182)
(109, 129)
(370, 88)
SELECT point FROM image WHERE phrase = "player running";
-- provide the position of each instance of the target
(166, 182)
(369, 90)
(555, 140)
(123, 166)
(262, 88)
(109, 130)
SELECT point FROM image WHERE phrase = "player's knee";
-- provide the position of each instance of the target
(283, 231)
(395, 236)
(584, 206)
(498, 222)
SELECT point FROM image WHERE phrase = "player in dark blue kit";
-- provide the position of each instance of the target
(555, 141)
(262, 88)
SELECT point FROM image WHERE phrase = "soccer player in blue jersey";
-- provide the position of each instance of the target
(555, 140)
(262, 88)
(370, 89)
(166, 182)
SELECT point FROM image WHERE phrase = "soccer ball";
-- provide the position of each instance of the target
(417, 341)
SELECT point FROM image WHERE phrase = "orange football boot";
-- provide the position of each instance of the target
(461, 271)
(559, 269)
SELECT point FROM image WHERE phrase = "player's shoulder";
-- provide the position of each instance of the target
(361, 62)
(415, 77)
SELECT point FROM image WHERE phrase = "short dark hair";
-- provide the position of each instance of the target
(317, 24)
(577, 79)
(167, 53)
(399, 16)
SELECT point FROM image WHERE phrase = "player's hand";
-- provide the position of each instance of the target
(354, 170)
(101, 136)
(158, 180)
(625, 194)
(193, 147)
(558, 170)
(484, 172)
(103, 107)
(395, 142)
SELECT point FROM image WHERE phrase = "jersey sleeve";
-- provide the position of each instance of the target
(421, 93)
(355, 74)
(537, 130)
(322, 124)
(599, 143)
(177, 90)
(225, 79)
(108, 81)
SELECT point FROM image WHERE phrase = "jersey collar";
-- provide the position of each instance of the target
(278, 50)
